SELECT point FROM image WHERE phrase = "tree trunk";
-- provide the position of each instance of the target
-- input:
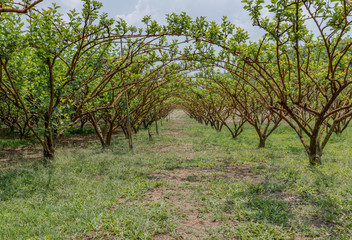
(97, 129)
(22, 134)
(261, 142)
(108, 136)
(238, 130)
(315, 159)
(234, 136)
(145, 125)
(156, 127)
(83, 122)
(314, 153)
(150, 135)
(49, 153)
(124, 130)
(49, 148)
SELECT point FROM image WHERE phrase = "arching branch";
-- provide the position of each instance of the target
(16, 10)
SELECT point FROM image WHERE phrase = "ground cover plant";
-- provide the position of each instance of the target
(191, 182)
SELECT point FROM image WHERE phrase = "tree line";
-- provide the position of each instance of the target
(55, 74)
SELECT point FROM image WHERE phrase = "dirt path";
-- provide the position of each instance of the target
(178, 190)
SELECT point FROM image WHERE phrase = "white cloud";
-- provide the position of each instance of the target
(214, 10)
(142, 8)
(70, 3)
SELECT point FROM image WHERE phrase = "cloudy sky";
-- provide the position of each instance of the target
(134, 10)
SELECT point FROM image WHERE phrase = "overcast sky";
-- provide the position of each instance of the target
(134, 10)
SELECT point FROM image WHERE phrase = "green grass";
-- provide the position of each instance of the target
(293, 200)
(102, 194)
(10, 139)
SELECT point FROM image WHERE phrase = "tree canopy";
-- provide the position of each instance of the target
(57, 73)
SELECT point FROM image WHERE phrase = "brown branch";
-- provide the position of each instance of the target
(23, 10)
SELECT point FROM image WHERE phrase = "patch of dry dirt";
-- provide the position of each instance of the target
(171, 132)
(164, 237)
(14, 154)
(193, 224)
(194, 174)
(79, 140)
(184, 148)
(35, 152)
(286, 197)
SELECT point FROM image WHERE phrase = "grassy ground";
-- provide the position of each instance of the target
(189, 183)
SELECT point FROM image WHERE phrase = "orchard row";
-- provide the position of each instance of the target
(59, 71)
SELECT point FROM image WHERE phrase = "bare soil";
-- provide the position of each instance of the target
(30, 153)
(180, 182)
